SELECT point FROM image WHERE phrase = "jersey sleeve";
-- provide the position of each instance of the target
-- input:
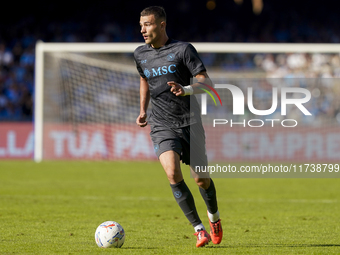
(193, 61)
(139, 68)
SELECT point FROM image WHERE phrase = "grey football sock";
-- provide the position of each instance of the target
(186, 201)
(209, 197)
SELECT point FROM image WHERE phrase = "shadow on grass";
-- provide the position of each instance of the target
(139, 248)
(272, 245)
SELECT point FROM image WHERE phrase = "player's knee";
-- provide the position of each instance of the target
(203, 183)
(174, 176)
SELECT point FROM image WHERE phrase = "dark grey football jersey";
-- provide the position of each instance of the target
(175, 61)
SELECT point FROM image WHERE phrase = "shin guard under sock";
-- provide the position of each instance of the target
(186, 201)
(209, 197)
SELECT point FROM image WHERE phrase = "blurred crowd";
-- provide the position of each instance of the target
(117, 21)
(319, 73)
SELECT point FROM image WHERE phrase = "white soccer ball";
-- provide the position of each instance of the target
(110, 234)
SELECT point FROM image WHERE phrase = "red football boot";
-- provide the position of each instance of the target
(216, 231)
(203, 238)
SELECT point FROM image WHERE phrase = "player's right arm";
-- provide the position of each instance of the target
(144, 94)
(202, 78)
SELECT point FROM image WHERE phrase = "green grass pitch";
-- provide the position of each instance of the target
(55, 207)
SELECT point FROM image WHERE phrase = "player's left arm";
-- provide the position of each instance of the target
(180, 90)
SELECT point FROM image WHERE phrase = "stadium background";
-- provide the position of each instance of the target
(200, 21)
(54, 207)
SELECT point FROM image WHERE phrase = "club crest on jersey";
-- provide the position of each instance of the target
(170, 57)
(147, 73)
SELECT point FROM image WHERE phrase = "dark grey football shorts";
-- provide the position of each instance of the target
(188, 142)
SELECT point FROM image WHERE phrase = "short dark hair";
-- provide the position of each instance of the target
(157, 11)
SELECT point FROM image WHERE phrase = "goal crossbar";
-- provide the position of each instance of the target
(200, 47)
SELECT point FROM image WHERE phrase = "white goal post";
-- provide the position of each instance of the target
(43, 48)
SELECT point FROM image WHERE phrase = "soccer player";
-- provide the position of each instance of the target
(166, 67)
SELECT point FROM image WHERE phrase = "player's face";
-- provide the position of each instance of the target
(151, 29)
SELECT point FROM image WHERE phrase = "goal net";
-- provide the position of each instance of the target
(87, 101)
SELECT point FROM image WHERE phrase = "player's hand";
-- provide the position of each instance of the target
(141, 120)
(176, 88)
